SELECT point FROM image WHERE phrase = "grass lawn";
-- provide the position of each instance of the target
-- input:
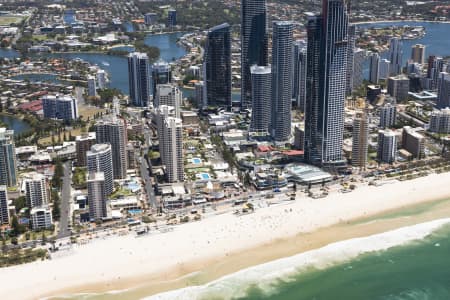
(7, 20)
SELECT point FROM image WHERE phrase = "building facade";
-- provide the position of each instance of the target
(374, 68)
(326, 84)
(8, 162)
(161, 74)
(61, 107)
(282, 74)
(388, 115)
(387, 146)
(299, 84)
(413, 142)
(41, 218)
(440, 121)
(83, 144)
(4, 210)
(97, 195)
(92, 86)
(113, 131)
(36, 191)
(418, 53)
(443, 88)
(217, 66)
(138, 79)
(398, 87)
(254, 44)
(360, 145)
(395, 56)
(170, 95)
(99, 159)
(261, 97)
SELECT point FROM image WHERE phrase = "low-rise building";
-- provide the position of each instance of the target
(41, 218)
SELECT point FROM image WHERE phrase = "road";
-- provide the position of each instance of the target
(147, 182)
(66, 199)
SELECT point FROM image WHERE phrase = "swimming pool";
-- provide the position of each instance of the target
(196, 161)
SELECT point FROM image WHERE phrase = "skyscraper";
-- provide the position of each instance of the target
(435, 67)
(161, 74)
(418, 53)
(8, 165)
(101, 79)
(36, 191)
(138, 79)
(254, 44)
(374, 68)
(170, 95)
(388, 115)
(359, 55)
(96, 195)
(170, 133)
(83, 144)
(443, 88)
(350, 57)
(4, 210)
(282, 73)
(360, 144)
(261, 97)
(171, 17)
(395, 56)
(326, 84)
(299, 85)
(217, 66)
(113, 131)
(398, 87)
(99, 159)
(92, 86)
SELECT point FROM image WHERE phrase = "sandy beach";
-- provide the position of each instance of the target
(128, 262)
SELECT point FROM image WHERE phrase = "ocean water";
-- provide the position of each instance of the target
(408, 263)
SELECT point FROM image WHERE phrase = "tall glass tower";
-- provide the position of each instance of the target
(138, 78)
(254, 44)
(8, 164)
(217, 65)
(326, 83)
(282, 73)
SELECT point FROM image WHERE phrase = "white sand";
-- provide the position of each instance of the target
(127, 256)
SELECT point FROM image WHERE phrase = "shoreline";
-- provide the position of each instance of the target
(398, 21)
(224, 244)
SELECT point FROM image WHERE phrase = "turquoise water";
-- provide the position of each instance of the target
(410, 263)
(418, 271)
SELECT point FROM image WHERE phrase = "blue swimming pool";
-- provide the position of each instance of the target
(205, 176)
(196, 161)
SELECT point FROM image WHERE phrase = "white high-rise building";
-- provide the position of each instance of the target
(172, 149)
(4, 210)
(387, 146)
(36, 191)
(170, 95)
(99, 159)
(443, 87)
(41, 217)
(101, 79)
(92, 86)
(388, 115)
(261, 97)
(440, 121)
(395, 56)
(97, 195)
(113, 130)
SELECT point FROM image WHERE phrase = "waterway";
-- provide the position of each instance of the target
(18, 125)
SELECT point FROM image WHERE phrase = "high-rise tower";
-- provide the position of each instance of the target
(138, 78)
(282, 73)
(8, 165)
(217, 65)
(261, 97)
(326, 84)
(254, 43)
